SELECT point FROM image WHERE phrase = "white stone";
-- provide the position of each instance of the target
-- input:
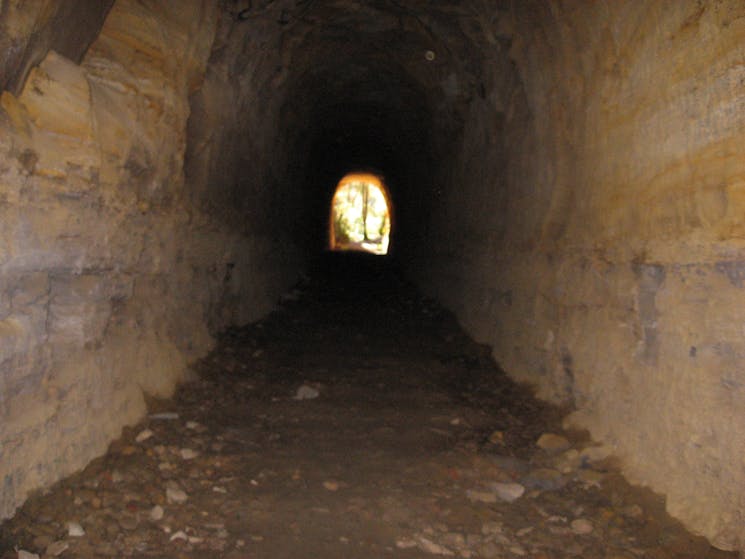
(508, 491)
(180, 535)
(166, 415)
(175, 495)
(581, 526)
(429, 546)
(188, 453)
(156, 513)
(57, 548)
(143, 435)
(23, 554)
(306, 392)
(75, 530)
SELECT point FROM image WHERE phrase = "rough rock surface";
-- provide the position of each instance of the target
(380, 464)
(607, 267)
(568, 179)
(111, 279)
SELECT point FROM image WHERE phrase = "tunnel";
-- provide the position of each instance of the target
(567, 180)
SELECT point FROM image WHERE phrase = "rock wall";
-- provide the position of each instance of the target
(113, 273)
(598, 243)
(30, 28)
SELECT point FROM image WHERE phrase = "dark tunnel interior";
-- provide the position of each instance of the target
(566, 178)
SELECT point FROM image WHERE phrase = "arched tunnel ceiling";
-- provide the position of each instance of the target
(364, 84)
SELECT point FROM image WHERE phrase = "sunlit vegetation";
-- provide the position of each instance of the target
(360, 215)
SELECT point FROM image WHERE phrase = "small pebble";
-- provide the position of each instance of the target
(550, 442)
(128, 522)
(188, 453)
(633, 511)
(156, 513)
(405, 543)
(581, 526)
(164, 415)
(497, 437)
(481, 496)
(143, 435)
(429, 546)
(75, 530)
(57, 548)
(489, 528)
(590, 478)
(593, 454)
(306, 392)
(331, 485)
(175, 495)
(508, 491)
(180, 535)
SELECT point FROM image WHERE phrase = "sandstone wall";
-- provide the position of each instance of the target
(30, 28)
(113, 273)
(607, 266)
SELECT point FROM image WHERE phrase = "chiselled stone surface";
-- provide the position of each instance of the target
(29, 29)
(110, 283)
(608, 273)
(569, 178)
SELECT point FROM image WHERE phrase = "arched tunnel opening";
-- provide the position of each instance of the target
(360, 215)
(560, 311)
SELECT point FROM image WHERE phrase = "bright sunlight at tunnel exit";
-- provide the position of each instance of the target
(360, 217)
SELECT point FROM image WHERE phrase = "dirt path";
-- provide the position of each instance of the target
(357, 421)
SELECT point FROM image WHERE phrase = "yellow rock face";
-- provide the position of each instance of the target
(611, 273)
(106, 288)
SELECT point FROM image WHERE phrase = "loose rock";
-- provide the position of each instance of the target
(552, 443)
(508, 491)
(75, 530)
(180, 535)
(306, 392)
(581, 526)
(156, 513)
(331, 485)
(405, 543)
(188, 453)
(143, 435)
(429, 546)
(482, 496)
(55, 549)
(168, 415)
(176, 495)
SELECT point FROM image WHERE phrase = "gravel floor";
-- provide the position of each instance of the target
(357, 421)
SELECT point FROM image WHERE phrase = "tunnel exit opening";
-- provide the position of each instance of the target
(360, 217)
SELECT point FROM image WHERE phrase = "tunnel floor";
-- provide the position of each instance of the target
(357, 420)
